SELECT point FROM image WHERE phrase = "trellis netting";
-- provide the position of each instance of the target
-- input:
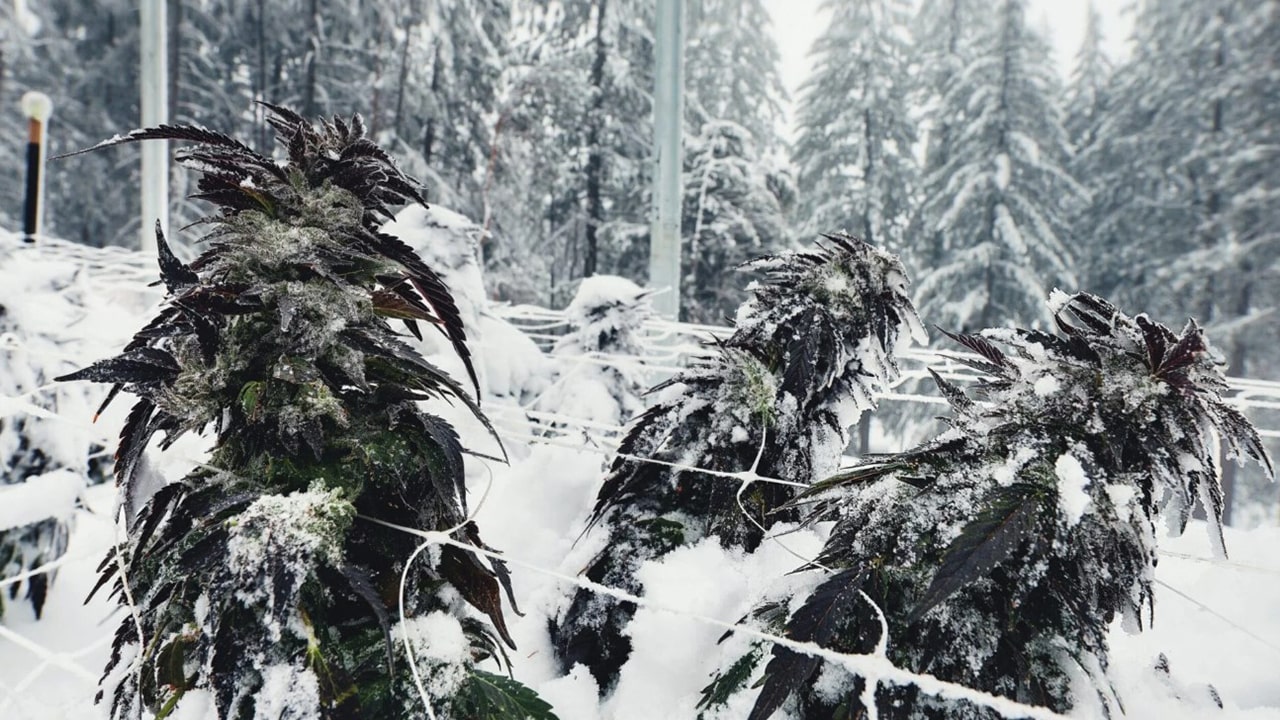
(1215, 622)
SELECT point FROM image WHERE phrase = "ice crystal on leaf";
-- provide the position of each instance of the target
(813, 343)
(259, 578)
(1001, 551)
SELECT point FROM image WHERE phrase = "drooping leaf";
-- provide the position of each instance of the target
(1006, 522)
(477, 585)
(817, 621)
(486, 696)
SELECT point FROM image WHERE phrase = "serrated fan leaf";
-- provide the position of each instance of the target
(391, 304)
(1184, 352)
(979, 345)
(437, 295)
(360, 583)
(733, 679)
(138, 366)
(172, 271)
(955, 397)
(1005, 523)
(817, 621)
(1241, 436)
(477, 585)
(486, 696)
(187, 133)
(1092, 313)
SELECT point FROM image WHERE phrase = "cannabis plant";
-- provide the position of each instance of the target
(44, 464)
(605, 321)
(1001, 551)
(811, 346)
(266, 577)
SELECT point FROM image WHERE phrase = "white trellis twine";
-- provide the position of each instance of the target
(667, 345)
(868, 666)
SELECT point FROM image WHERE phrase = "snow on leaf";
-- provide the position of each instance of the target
(1005, 523)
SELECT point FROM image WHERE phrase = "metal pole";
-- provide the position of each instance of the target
(154, 79)
(668, 116)
(38, 108)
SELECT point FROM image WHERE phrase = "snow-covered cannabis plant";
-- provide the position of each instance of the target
(265, 577)
(811, 346)
(1001, 551)
(605, 320)
(44, 464)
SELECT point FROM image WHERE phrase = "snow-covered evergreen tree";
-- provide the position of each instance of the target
(572, 156)
(733, 207)
(944, 37)
(1000, 552)
(1181, 170)
(855, 150)
(1000, 202)
(811, 346)
(265, 577)
(732, 69)
(1088, 94)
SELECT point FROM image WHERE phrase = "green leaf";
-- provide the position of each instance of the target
(1000, 529)
(486, 696)
(732, 680)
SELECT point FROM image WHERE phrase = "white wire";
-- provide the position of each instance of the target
(862, 665)
(404, 580)
(1218, 615)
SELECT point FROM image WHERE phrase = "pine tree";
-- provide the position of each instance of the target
(816, 339)
(1178, 169)
(1088, 95)
(1001, 202)
(1001, 551)
(265, 577)
(733, 211)
(856, 140)
(572, 163)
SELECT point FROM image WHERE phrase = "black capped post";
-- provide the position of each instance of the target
(37, 107)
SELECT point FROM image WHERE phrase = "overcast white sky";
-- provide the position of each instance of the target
(798, 22)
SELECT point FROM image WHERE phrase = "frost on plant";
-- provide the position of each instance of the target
(262, 577)
(601, 378)
(811, 346)
(1002, 550)
(44, 464)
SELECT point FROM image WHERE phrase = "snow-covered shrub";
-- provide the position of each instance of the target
(44, 463)
(264, 577)
(605, 319)
(811, 346)
(1000, 551)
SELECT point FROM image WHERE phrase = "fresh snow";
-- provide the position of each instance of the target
(51, 495)
(1073, 497)
(534, 510)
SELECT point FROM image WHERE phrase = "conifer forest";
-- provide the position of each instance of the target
(970, 408)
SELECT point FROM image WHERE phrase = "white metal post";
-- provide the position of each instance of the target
(38, 108)
(154, 78)
(668, 117)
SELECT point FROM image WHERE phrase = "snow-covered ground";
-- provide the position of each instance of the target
(1217, 621)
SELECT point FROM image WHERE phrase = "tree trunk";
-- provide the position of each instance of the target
(175, 56)
(309, 108)
(429, 131)
(398, 121)
(595, 157)
(260, 78)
